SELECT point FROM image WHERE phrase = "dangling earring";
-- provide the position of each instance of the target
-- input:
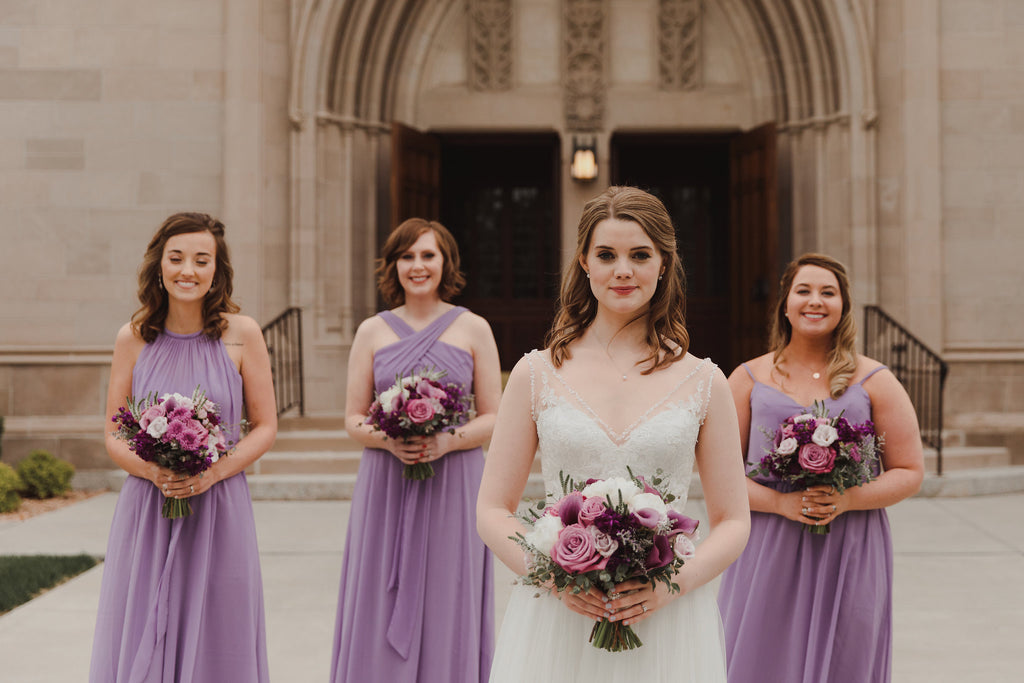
(588, 274)
(160, 282)
(659, 277)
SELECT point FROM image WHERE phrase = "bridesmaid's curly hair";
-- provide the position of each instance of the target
(149, 321)
(666, 334)
(401, 240)
(842, 358)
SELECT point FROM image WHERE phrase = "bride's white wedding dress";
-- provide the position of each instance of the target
(541, 639)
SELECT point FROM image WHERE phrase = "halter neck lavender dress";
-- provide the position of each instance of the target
(182, 599)
(802, 608)
(415, 601)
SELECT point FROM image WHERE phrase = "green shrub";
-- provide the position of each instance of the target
(1, 436)
(10, 484)
(23, 578)
(44, 476)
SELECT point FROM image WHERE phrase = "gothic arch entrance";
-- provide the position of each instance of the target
(585, 66)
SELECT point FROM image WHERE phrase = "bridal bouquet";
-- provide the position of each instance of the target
(420, 405)
(180, 433)
(813, 449)
(602, 533)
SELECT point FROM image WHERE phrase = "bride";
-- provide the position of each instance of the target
(616, 388)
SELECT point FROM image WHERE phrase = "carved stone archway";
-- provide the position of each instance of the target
(357, 66)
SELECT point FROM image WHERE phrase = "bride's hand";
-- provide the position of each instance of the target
(636, 600)
(592, 604)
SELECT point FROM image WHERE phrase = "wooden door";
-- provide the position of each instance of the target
(690, 175)
(754, 238)
(415, 175)
(500, 198)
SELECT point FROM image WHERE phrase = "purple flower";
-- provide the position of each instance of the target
(190, 439)
(569, 508)
(681, 523)
(661, 553)
(647, 517)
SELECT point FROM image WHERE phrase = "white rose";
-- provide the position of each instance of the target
(544, 534)
(611, 488)
(201, 413)
(157, 427)
(824, 435)
(684, 547)
(787, 446)
(604, 544)
(648, 500)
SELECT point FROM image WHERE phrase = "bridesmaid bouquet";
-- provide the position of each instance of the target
(813, 449)
(420, 405)
(602, 533)
(180, 433)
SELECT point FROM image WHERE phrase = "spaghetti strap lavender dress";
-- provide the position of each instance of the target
(415, 602)
(803, 608)
(182, 599)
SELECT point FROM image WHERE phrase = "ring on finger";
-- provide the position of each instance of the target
(191, 488)
(833, 507)
(803, 511)
(643, 606)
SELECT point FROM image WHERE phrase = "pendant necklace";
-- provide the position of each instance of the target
(608, 353)
(815, 374)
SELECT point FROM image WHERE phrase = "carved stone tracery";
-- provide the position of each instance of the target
(679, 44)
(490, 44)
(584, 77)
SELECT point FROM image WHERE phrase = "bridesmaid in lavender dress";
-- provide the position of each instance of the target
(799, 607)
(415, 601)
(182, 599)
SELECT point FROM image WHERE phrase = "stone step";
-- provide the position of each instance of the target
(308, 462)
(308, 440)
(967, 457)
(308, 422)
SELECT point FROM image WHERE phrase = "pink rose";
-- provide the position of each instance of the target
(575, 551)
(592, 508)
(150, 414)
(815, 458)
(419, 410)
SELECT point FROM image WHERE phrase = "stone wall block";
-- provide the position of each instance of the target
(50, 84)
(55, 154)
(57, 390)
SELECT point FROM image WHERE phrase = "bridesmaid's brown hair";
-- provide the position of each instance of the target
(148, 322)
(401, 240)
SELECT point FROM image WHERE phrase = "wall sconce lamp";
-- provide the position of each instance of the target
(584, 159)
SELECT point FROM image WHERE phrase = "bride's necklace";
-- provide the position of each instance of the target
(608, 353)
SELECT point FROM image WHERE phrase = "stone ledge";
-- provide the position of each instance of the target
(986, 481)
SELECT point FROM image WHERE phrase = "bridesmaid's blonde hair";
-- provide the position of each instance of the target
(842, 358)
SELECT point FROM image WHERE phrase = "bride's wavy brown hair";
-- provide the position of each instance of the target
(665, 334)
(148, 322)
(842, 358)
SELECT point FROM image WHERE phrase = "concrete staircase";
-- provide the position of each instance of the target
(315, 459)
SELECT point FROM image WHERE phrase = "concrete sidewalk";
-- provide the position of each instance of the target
(959, 601)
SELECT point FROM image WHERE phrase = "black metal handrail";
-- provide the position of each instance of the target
(921, 371)
(283, 335)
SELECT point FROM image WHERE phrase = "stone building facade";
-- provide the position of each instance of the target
(895, 128)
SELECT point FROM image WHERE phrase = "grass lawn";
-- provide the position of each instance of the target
(23, 577)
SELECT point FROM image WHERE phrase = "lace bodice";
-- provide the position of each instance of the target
(575, 440)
